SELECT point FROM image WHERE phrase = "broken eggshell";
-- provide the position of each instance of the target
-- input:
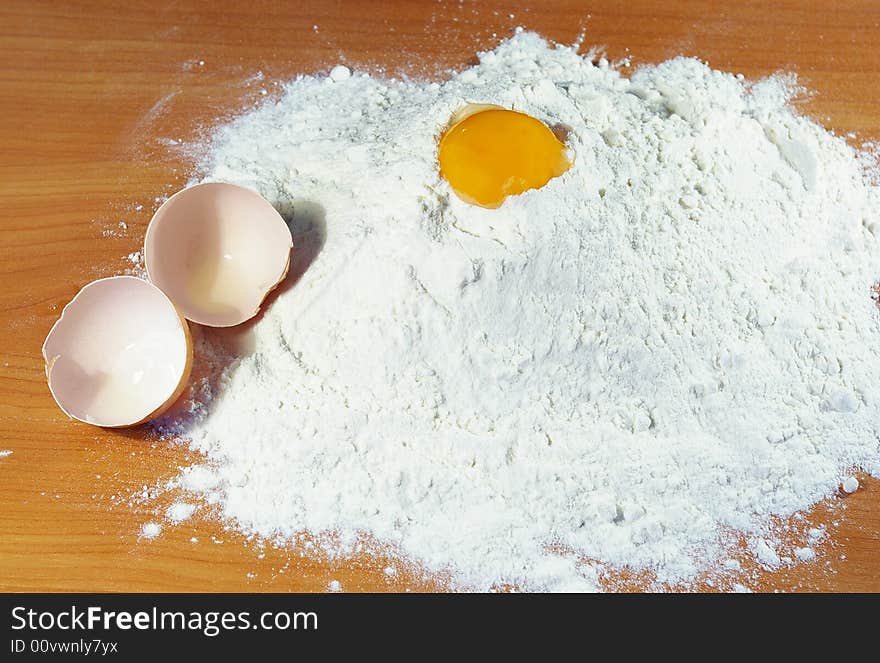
(217, 250)
(120, 353)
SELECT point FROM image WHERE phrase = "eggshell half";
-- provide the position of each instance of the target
(217, 250)
(120, 353)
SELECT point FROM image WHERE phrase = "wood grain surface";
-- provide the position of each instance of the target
(99, 101)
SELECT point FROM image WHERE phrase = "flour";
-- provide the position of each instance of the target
(151, 530)
(180, 511)
(674, 340)
(805, 554)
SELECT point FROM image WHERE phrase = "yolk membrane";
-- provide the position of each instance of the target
(495, 153)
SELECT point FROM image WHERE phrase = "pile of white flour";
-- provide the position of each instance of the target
(673, 340)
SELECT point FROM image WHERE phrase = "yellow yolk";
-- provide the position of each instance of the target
(495, 153)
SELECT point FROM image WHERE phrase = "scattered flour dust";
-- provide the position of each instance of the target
(673, 341)
(179, 511)
(151, 530)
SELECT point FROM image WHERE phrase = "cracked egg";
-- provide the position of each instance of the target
(217, 250)
(120, 353)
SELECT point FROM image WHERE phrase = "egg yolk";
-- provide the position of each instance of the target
(495, 153)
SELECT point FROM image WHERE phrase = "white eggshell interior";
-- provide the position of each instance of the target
(217, 250)
(119, 353)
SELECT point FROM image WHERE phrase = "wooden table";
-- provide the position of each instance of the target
(94, 96)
